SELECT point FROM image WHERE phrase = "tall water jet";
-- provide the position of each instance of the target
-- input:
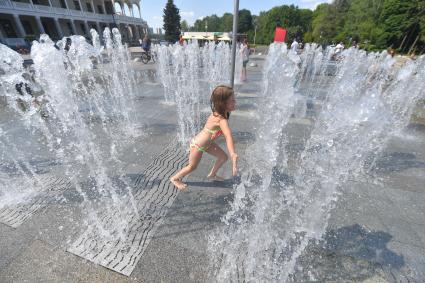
(87, 119)
(20, 180)
(235, 248)
(189, 73)
(276, 212)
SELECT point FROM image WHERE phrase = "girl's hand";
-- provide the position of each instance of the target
(234, 157)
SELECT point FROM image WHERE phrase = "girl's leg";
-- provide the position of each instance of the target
(194, 158)
(221, 156)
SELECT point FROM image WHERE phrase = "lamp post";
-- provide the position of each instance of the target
(235, 38)
(255, 35)
(255, 23)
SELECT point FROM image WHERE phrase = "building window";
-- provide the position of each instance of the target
(100, 9)
(77, 5)
(8, 28)
(27, 27)
(89, 8)
(109, 8)
(83, 28)
(68, 24)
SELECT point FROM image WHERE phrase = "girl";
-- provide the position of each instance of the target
(222, 103)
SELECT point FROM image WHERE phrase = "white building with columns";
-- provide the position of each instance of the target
(58, 18)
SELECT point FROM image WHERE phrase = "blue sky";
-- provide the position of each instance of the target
(191, 10)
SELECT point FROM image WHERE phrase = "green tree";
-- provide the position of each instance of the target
(362, 24)
(213, 23)
(375, 24)
(403, 23)
(320, 27)
(328, 21)
(244, 21)
(184, 26)
(171, 22)
(296, 21)
(251, 33)
(226, 24)
(199, 25)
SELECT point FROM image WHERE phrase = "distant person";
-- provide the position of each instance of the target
(216, 39)
(222, 103)
(339, 48)
(245, 58)
(355, 44)
(146, 44)
(391, 52)
(181, 40)
(294, 46)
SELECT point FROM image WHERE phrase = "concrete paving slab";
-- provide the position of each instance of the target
(414, 262)
(167, 261)
(153, 195)
(375, 232)
(41, 262)
(14, 215)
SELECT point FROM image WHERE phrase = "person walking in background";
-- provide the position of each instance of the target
(245, 58)
(146, 44)
(295, 46)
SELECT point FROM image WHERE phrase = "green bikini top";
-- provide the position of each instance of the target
(214, 133)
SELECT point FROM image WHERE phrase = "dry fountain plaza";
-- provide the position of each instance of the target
(375, 233)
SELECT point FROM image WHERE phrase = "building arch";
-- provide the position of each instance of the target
(118, 8)
(136, 10)
(126, 9)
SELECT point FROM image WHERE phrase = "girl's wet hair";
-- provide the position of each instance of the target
(218, 100)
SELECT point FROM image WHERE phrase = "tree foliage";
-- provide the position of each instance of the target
(184, 26)
(244, 21)
(374, 24)
(226, 22)
(171, 22)
(296, 21)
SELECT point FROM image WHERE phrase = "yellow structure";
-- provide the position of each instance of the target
(220, 36)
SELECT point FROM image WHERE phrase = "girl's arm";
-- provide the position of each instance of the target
(224, 125)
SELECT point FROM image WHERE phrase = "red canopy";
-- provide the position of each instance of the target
(279, 35)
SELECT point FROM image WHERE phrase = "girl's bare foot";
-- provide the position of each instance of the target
(179, 184)
(215, 178)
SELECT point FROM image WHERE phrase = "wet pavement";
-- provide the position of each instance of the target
(376, 231)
